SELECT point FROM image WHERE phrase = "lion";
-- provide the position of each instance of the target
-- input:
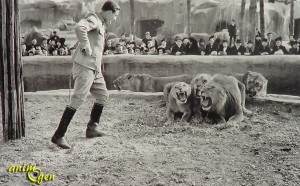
(178, 100)
(196, 84)
(224, 99)
(147, 83)
(256, 84)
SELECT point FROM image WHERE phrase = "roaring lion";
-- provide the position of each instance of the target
(196, 84)
(256, 84)
(147, 83)
(178, 98)
(224, 99)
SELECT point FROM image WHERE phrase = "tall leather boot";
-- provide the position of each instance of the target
(58, 137)
(92, 127)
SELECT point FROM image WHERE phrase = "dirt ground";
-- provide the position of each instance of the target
(139, 150)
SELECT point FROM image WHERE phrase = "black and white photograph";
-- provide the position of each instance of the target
(150, 92)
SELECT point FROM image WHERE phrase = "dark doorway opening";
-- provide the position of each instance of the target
(149, 25)
(221, 25)
(297, 28)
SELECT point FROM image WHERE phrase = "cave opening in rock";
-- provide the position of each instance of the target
(28, 24)
(149, 25)
(221, 25)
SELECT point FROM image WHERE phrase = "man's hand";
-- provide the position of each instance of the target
(86, 49)
(178, 53)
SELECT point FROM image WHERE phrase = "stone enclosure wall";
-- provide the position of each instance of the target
(50, 73)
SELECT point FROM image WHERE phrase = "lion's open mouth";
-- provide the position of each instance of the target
(206, 103)
(251, 93)
(182, 96)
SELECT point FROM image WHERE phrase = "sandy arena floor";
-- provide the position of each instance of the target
(140, 150)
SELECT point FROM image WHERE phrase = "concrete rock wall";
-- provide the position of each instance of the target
(50, 73)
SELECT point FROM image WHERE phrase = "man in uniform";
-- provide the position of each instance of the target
(87, 71)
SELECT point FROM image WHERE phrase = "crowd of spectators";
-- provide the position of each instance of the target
(190, 46)
(51, 45)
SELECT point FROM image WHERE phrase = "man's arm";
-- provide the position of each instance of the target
(83, 26)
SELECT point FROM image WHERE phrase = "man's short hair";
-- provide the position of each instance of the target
(269, 33)
(264, 40)
(225, 41)
(147, 33)
(110, 6)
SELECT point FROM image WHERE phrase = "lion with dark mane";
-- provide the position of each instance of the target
(224, 99)
(147, 83)
(178, 99)
(196, 84)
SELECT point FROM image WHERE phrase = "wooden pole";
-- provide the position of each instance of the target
(252, 17)
(132, 18)
(243, 7)
(188, 6)
(292, 19)
(11, 72)
(262, 17)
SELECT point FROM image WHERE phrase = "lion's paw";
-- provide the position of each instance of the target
(247, 112)
(184, 123)
(227, 125)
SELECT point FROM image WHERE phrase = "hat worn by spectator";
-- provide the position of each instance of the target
(160, 48)
(177, 38)
(62, 40)
(264, 40)
(278, 38)
(238, 41)
(147, 33)
(250, 42)
(294, 43)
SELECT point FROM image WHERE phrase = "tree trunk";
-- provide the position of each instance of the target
(262, 17)
(11, 68)
(292, 19)
(188, 6)
(252, 17)
(132, 16)
(243, 7)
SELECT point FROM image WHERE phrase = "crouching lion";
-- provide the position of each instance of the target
(196, 85)
(256, 84)
(147, 83)
(178, 98)
(224, 99)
